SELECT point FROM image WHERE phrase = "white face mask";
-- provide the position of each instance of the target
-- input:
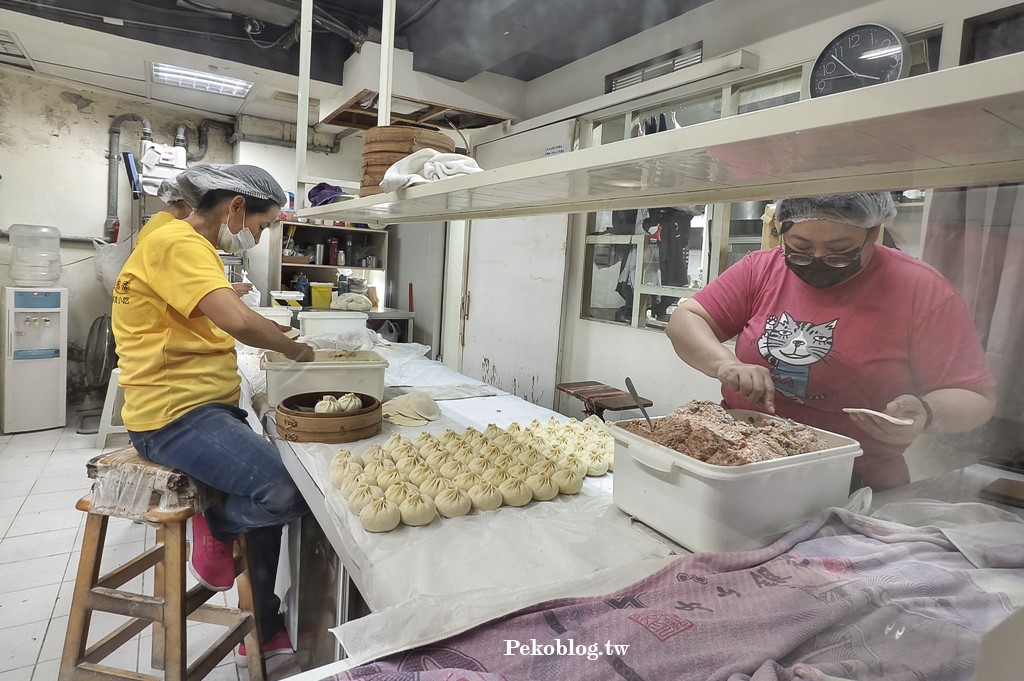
(235, 243)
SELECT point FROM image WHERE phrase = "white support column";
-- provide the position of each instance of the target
(302, 108)
(387, 58)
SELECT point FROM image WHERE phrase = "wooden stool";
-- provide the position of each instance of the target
(128, 486)
(600, 397)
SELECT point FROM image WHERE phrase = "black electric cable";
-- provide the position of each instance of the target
(417, 16)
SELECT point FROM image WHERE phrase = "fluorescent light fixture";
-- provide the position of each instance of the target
(882, 52)
(200, 80)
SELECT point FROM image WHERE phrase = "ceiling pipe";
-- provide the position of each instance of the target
(274, 141)
(114, 159)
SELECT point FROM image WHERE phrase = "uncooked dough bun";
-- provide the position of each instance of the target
(380, 515)
(464, 453)
(420, 473)
(515, 492)
(436, 458)
(568, 482)
(453, 502)
(362, 495)
(392, 443)
(481, 465)
(503, 440)
(515, 449)
(451, 468)
(341, 469)
(418, 509)
(403, 450)
(434, 485)
(378, 466)
(545, 467)
(349, 484)
(490, 451)
(514, 429)
(373, 453)
(486, 497)
(390, 477)
(401, 491)
(575, 464)
(521, 471)
(466, 480)
(504, 461)
(496, 476)
(349, 402)
(596, 465)
(492, 431)
(424, 439)
(447, 436)
(406, 464)
(347, 455)
(542, 486)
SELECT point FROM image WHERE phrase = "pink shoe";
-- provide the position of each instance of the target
(213, 561)
(280, 644)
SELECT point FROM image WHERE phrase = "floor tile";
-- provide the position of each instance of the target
(40, 441)
(125, 657)
(113, 556)
(62, 607)
(16, 488)
(59, 484)
(20, 646)
(28, 605)
(23, 547)
(11, 505)
(28, 574)
(46, 671)
(51, 501)
(22, 674)
(199, 637)
(45, 521)
(73, 440)
(22, 466)
(5, 524)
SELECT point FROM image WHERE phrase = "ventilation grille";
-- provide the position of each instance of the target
(653, 68)
(10, 50)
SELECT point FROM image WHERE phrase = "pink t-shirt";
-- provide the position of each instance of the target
(898, 327)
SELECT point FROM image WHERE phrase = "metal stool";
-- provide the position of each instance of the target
(128, 486)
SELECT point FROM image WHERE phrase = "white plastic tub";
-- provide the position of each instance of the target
(332, 370)
(332, 321)
(281, 315)
(705, 507)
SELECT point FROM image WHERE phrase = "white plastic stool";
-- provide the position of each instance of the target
(111, 404)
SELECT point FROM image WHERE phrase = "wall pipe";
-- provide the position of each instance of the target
(273, 141)
(114, 159)
(204, 136)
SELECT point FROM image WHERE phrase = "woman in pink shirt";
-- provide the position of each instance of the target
(831, 319)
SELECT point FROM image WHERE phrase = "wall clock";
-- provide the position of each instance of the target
(864, 55)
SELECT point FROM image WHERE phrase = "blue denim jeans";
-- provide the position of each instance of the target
(215, 445)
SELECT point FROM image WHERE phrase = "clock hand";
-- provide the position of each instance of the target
(843, 64)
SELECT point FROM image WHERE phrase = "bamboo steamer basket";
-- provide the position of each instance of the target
(386, 145)
(295, 425)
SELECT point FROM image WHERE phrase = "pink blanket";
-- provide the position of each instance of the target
(843, 597)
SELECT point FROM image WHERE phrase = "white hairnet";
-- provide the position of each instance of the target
(169, 192)
(865, 210)
(198, 181)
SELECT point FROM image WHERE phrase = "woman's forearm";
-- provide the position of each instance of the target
(695, 342)
(957, 410)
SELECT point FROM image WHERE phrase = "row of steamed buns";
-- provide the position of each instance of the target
(410, 482)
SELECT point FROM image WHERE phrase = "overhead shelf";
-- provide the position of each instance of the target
(956, 127)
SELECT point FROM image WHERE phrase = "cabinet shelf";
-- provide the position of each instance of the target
(955, 127)
(299, 265)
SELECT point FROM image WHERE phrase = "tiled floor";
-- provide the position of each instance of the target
(42, 475)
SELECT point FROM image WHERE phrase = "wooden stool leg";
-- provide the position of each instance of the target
(159, 572)
(88, 574)
(175, 657)
(254, 654)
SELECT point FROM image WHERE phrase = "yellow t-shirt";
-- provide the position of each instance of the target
(158, 220)
(172, 357)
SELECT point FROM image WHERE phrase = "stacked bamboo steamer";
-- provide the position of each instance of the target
(386, 145)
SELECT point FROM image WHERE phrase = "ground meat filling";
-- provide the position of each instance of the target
(706, 432)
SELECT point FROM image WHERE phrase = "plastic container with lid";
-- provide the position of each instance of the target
(35, 255)
(281, 315)
(320, 294)
(359, 371)
(333, 321)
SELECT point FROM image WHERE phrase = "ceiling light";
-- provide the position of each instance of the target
(200, 80)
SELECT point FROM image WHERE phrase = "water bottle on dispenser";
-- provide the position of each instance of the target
(35, 255)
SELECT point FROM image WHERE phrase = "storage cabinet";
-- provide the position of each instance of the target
(355, 243)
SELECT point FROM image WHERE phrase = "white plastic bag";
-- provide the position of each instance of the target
(109, 259)
(390, 331)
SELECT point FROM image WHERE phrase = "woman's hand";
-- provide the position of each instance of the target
(300, 352)
(749, 380)
(241, 289)
(904, 407)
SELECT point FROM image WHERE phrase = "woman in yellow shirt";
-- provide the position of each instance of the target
(175, 321)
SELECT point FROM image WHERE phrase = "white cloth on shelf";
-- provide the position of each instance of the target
(352, 301)
(427, 165)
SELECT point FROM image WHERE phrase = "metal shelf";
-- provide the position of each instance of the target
(332, 267)
(955, 127)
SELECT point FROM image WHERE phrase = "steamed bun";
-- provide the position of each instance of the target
(452, 502)
(380, 515)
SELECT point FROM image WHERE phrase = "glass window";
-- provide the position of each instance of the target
(765, 94)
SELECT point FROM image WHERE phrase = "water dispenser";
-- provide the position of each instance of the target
(35, 255)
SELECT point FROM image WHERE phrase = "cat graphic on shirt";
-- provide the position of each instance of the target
(792, 347)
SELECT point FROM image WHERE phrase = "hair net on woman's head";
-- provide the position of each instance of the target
(198, 181)
(864, 210)
(169, 192)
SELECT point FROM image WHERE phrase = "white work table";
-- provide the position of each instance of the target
(543, 542)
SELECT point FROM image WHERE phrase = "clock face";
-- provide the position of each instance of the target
(861, 56)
